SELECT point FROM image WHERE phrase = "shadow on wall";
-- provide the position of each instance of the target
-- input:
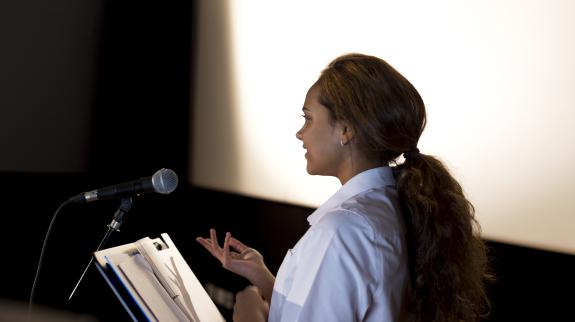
(213, 99)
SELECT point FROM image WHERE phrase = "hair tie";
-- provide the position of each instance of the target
(411, 154)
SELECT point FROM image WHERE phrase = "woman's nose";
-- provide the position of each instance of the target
(298, 135)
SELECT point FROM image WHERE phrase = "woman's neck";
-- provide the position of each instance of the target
(354, 166)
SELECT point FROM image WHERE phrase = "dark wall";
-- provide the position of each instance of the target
(94, 93)
(532, 285)
(142, 88)
(137, 122)
(47, 75)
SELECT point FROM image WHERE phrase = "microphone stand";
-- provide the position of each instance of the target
(119, 216)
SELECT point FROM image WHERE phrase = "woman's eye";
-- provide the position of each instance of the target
(307, 118)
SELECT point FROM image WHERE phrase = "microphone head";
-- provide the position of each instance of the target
(164, 181)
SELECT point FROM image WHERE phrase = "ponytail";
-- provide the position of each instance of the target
(447, 258)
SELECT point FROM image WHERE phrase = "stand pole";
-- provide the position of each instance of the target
(119, 216)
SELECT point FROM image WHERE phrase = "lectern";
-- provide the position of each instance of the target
(154, 283)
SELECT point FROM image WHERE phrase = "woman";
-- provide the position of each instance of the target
(397, 242)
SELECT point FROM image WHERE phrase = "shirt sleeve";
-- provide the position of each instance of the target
(336, 274)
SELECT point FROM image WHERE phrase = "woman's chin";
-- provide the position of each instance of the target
(309, 169)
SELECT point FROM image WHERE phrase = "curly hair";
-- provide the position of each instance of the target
(448, 261)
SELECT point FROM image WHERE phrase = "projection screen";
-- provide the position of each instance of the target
(497, 78)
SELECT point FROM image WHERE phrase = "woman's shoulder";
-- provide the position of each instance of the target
(374, 212)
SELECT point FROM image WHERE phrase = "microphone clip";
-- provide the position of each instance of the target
(120, 214)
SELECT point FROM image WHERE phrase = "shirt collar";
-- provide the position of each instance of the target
(369, 179)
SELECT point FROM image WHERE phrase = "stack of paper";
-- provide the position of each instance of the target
(157, 282)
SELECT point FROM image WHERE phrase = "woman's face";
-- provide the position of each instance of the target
(320, 136)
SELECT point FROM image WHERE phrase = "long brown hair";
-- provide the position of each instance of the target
(447, 258)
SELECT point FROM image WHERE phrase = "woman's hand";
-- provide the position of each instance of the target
(244, 261)
(250, 306)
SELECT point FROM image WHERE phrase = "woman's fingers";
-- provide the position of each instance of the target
(211, 244)
(251, 289)
(205, 242)
(226, 250)
(237, 245)
(230, 254)
(250, 306)
(208, 245)
(214, 239)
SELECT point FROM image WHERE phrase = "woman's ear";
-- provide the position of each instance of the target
(347, 133)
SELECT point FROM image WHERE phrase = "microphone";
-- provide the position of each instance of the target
(164, 181)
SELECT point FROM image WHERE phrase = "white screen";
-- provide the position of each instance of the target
(496, 76)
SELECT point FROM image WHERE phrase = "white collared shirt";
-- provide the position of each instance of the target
(351, 264)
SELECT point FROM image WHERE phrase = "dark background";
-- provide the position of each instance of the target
(137, 120)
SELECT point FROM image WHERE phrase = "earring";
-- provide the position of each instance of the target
(341, 142)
